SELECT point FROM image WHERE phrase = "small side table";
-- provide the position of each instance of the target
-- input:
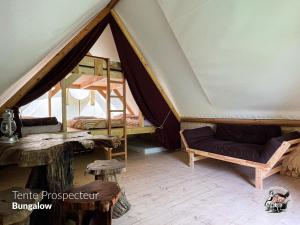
(107, 170)
(98, 209)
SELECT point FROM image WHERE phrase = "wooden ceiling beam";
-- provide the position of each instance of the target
(59, 56)
(56, 89)
(90, 81)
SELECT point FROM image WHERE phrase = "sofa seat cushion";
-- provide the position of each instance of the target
(252, 134)
(229, 148)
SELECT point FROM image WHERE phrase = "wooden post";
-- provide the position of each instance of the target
(191, 159)
(141, 119)
(49, 103)
(64, 105)
(258, 178)
(124, 118)
(108, 99)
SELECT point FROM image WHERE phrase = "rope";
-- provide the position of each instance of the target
(165, 120)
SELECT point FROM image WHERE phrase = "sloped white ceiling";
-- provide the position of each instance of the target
(149, 28)
(31, 29)
(244, 54)
(214, 58)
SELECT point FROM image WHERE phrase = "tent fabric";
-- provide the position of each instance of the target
(65, 66)
(145, 93)
(147, 96)
(246, 66)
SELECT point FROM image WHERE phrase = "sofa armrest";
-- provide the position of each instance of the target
(274, 143)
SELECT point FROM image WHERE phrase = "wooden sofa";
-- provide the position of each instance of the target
(265, 164)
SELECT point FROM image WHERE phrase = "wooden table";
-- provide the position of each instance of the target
(99, 209)
(50, 156)
(105, 170)
(43, 149)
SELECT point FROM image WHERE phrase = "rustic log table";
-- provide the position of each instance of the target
(51, 156)
(9, 216)
(43, 149)
(107, 170)
(95, 210)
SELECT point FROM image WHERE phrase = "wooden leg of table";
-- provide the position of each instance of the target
(108, 153)
(191, 159)
(258, 178)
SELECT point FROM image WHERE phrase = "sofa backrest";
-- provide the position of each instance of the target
(253, 134)
(195, 136)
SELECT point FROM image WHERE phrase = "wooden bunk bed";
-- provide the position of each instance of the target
(105, 77)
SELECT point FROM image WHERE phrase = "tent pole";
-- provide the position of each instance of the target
(64, 105)
(49, 103)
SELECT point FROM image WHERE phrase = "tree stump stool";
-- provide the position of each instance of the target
(8, 215)
(97, 208)
(107, 170)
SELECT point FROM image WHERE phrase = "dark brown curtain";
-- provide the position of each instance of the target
(147, 96)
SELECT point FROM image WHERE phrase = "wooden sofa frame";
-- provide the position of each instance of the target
(262, 170)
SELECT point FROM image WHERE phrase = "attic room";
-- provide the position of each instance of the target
(162, 112)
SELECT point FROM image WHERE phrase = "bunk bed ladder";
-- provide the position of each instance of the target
(109, 96)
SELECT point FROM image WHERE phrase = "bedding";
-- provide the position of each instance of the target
(41, 129)
(33, 125)
(90, 122)
(28, 122)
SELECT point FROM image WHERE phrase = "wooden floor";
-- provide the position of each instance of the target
(164, 191)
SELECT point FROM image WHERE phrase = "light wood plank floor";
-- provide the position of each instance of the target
(164, 191)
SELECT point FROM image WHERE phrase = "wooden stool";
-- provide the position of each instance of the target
(96, 207)
(107, 170)
(10, 216)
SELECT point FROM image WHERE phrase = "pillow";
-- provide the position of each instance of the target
(252, 134)
(194, 136)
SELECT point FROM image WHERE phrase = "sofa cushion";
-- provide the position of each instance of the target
(197, 135)
(252, 134)
(273, 144)
(233, 149)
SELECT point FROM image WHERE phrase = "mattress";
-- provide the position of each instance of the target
(90, 123)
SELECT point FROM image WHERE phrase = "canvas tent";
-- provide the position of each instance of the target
(213, 59)
(142, 87)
